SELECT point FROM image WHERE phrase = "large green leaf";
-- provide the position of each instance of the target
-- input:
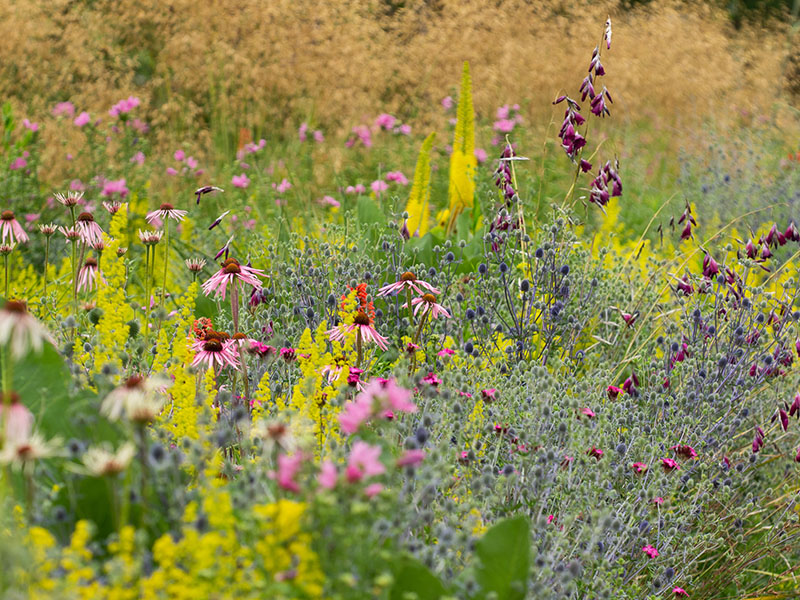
(504, 554)
(412, 577)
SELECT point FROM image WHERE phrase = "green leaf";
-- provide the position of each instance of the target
(412, 577)
(504, 554)
(369, 213)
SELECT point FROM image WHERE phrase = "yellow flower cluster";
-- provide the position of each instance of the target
(263, 553)
(112, 329)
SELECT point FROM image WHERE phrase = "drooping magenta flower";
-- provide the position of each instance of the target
(650, 551)
(164, 212)
(710, 266)
(362, 325)
(214, 351)
(408, 281)
(88, 228)
(679, 591)
(88, 275)
(669, 465)
(11, 229)
(427, 304)
(684, 450)
(229, 272)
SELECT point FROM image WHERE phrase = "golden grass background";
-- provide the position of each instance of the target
(269, 64)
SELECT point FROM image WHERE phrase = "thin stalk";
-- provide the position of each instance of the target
(46, 261)
(359, 349)
(5, 262)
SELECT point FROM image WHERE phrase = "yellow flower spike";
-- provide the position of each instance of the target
(418, 208)
(463, 163)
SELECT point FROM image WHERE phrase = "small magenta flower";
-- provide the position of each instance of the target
(88, 275)
(710, 266)
(431, 379)
(282, 187)
(385, 121)
(88, 228)
(639, 467)
(650, 551)
(613, 391)
(794, 409)
(409, 281)
(11, 229)
(64, 108)
(229, 272)
(445, 352)
(378, 186)
(588, 412)
(411, 458)
(595, 452)
(685, 286)
(215, 351)
(679, 591)
(166, 211)
(327, 475)
(288, 467)
(489, 395)
(427, 303)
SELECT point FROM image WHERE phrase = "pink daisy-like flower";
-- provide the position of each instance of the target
(427, 303)
(88, 275)
(408, 281)
(650, 551)
(11, 228)
(88, 228)
(166, 211)
(231, 271)
(362, 325)
(215, 352)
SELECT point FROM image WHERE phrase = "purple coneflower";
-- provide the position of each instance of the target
(88, 228)
(112, 206)
(150, 238)
(87, 277)
(215, 352)
(164, 212)
(362, 325)
(11, 228)
(229, 272)
(427, 302)
(407, 281)
(70, 199)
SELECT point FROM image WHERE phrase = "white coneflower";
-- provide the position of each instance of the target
(138, 399)
(19, 328)
(102, 461)
(70, 199)
(18, 452)
(150, 238)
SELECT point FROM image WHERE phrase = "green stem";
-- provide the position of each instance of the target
(5, 261)
(146, 303)
(5, 364)
(359, 349)
(46, 261)
(166, 262)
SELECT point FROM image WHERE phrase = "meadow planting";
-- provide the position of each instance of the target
(411, 348)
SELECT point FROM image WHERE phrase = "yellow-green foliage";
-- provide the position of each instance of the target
(462, 161)
(418, 203)
(112, 329)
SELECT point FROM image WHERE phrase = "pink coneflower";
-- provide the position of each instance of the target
(47, 229)
(166, 211)
(87, 276)
(11, 228)
(70, 233)
(229, 272)
(195, 265)
(362, 325)
(215, 351)
(650, 551)
(88, 228)
(407, 281)
(363, 462)
(72, 198)
(428, 304)
(113, 206)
